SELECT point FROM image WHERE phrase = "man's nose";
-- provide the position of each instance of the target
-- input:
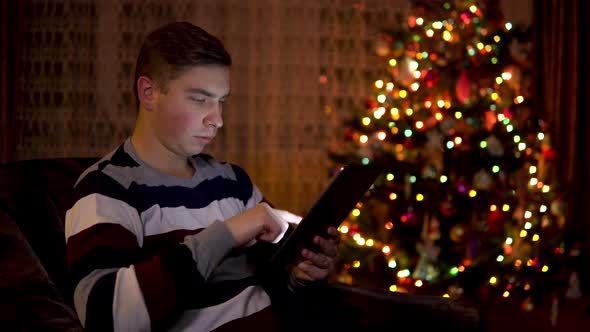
(214, 117)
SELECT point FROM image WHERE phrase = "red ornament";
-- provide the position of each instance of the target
(495, 221)
(463, 87)
(431, 78)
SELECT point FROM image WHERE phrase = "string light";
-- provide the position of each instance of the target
(379, 84)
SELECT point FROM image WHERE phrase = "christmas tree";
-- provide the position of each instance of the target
(465, 204)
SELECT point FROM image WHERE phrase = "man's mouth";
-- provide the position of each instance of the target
(203, 139)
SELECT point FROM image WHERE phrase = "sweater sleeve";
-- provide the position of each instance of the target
(118, 286)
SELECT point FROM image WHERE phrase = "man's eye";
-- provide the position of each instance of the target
(198, 100)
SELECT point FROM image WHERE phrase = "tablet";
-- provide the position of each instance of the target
(335, 203)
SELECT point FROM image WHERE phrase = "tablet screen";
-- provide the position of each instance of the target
(336, 202)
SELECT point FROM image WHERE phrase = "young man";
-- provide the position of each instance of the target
(162, 236)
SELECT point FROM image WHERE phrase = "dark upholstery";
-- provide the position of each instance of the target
(34, 293)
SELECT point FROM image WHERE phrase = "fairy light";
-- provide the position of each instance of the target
(356, 264)
(508, 26)
(523, 233)
(528, 225)
(493, 207)
(360, 241)
(381, 98)
(443, 178)
(472, 193)
(545, 268)
(535, 237)
(518, 99)
(408, 133)
(488, 48)
(493, 280)
(505, 207)
(388, 225)
(437, 25)
(543, 208)
(533, 181)
(393, 288)
(379, 84)
(364, 139)
(392, 264)
(499, 80)
(506, 294)
(473, 8)
(343, 229)
(417, 75)
(497, 38)
(540, 136)
(458, 140)
(495, 169)
(532, 169)
(440, 103)
(403, 93)
(483, 144)
(509, 128)
(392, 62)
(509, 241)
(403, 273)
(450, 145)
(393, 196)
(479, 46)
(528, 214)
(370, 242)
(387, 250)
(438, 116)
(500, 258)
(409, 112)
(390, 177)
(415, 86)
(447, 35)
(418, 283)
(356, 212)
(546, 188)
(366, 121)
(419, 124)
(389, 87)
(419, 197)
(458, 115)
(521, 146)
(501, 117)
(429, 33)
(419, 21)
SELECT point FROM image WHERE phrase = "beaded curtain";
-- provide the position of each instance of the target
(299, 67)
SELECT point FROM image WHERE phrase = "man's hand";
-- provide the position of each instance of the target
(255, 223)
(318, 266)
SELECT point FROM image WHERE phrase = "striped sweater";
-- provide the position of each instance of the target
(149, 251)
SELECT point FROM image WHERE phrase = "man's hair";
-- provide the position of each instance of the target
(173, 48)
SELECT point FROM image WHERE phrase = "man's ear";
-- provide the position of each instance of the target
(146, 92)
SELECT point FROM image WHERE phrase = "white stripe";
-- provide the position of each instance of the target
(129, 308)
(83, 291)
(97, 209)
(159, 220)
(249, 301)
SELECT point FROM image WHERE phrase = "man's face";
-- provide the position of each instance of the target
(187, 116)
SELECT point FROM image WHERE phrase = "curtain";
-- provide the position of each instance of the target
(562, 44)
(10, 25)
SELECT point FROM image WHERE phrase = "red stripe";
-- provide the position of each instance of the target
(158, 289)
(104, 235)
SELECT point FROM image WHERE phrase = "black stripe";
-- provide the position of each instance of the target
(101, 258)
(215, 293)
(97, 182)
(142, 197)
(188, 281)
(119, 158)
(200, 196)
(99, 308)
